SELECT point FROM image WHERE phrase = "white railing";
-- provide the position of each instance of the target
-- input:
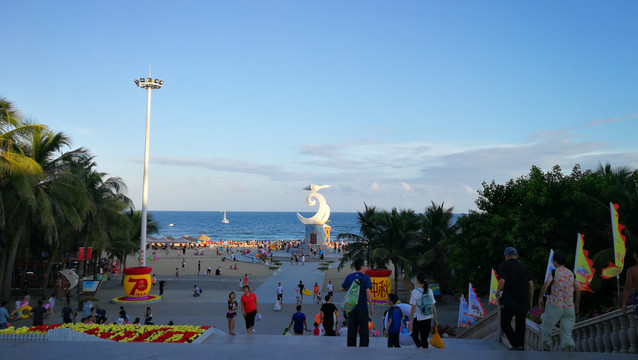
(52, 335)
(23, 337)
(613, 332)
(487, 327)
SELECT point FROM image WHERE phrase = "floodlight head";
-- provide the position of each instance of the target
(136, 82)
(161, 82)
(149, 80)
(142, 80)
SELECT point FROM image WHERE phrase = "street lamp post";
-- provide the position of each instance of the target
(148, 84)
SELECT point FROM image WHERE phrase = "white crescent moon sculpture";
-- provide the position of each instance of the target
(323, 213)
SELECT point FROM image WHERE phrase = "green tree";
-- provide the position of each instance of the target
(128, 243)
(104, 215)
(38, 202)
(539, 212)
(386, 239)
(433, 252)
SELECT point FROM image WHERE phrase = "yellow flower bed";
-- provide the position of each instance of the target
(123, 333)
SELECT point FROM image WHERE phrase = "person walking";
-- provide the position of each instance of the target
(51, 304)
(162, 283)
(316, 296)
(199, 266)
(67, 313)
(299, 321)
(231, 314)
(358, 317)
(562, 303)
(393, 328)
(329, 316)
(4, 315)
(516, 298)
(280, 293)
(421, 318)
(249, 308)
(330, 288)
(301, 287)
(631, 286)
(39, 312)
(148, 317)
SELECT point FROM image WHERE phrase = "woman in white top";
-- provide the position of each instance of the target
(51, 304)
(420, 323)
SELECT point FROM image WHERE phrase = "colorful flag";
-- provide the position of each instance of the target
(615, 268)
(550, 265)
(435, 287)
(493, 287)
(583, 270)
(474, 305)
(464, 319)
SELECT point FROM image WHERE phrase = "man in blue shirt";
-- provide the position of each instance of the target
(358, 317)
(4, 315)
(299, 320)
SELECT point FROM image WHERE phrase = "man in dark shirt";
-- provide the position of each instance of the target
(67, 312)
(38, 314)
(516, 300)
(301, 287)
(328, 313)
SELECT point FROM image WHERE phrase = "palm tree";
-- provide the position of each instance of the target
(123, 246)
(14, 187)
(104, 216)
(38, 202)
(360, 245)
(13, 131)
(435, 250)
(387, 237)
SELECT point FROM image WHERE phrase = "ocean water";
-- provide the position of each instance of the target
(245, 226)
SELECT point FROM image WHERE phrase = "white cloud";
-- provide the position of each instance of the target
(424, 171)
(405, 186)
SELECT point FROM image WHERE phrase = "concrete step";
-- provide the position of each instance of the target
(281, 347)
(310, 342)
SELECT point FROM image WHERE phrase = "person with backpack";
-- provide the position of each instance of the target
(422, 312)
(359, 294)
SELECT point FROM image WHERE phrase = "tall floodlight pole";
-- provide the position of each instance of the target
(148, 84)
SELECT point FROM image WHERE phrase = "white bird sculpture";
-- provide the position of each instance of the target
(323, 213)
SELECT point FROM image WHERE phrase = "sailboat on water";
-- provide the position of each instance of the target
(224, 220)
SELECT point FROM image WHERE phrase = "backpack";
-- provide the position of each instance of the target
(352, 296)
(200, 291)
(427, 305)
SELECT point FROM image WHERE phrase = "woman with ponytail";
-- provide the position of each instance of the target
(420, 322)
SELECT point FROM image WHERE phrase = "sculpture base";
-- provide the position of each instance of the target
(317, 234)
(137, 300)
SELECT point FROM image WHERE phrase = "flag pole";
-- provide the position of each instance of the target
(613, 240)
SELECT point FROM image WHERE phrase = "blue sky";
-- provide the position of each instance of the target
(395, 104)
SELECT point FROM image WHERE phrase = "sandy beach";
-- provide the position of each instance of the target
(178, 304)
